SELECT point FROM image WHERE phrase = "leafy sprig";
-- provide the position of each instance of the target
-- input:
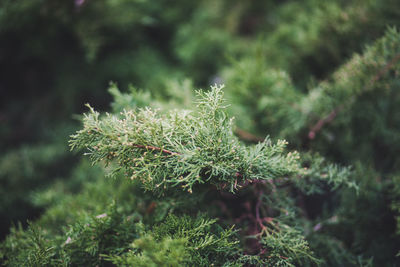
(180, 147)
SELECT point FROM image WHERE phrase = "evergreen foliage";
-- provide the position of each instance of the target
(197, 151)
(178, 177)
(180, 148)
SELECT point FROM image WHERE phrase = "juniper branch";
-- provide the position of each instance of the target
(358, 66)
(181, 148)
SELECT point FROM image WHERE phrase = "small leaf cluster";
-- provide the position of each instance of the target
(289, 242)
(182, 241)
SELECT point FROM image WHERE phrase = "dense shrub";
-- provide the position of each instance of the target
(191, 185)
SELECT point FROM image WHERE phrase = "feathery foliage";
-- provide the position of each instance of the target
(190, 185)
(181, 148)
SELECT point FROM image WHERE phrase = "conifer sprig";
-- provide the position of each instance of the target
(180, 147)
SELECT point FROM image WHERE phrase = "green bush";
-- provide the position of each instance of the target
(171, 178)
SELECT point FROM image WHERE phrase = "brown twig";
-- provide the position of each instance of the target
(317, 127)
(246, 136)
(258, 207)
(157, 149)
(385, 69)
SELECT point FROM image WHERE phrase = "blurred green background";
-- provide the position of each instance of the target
(57, 55)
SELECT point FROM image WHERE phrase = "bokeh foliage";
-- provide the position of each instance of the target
(323, 76)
